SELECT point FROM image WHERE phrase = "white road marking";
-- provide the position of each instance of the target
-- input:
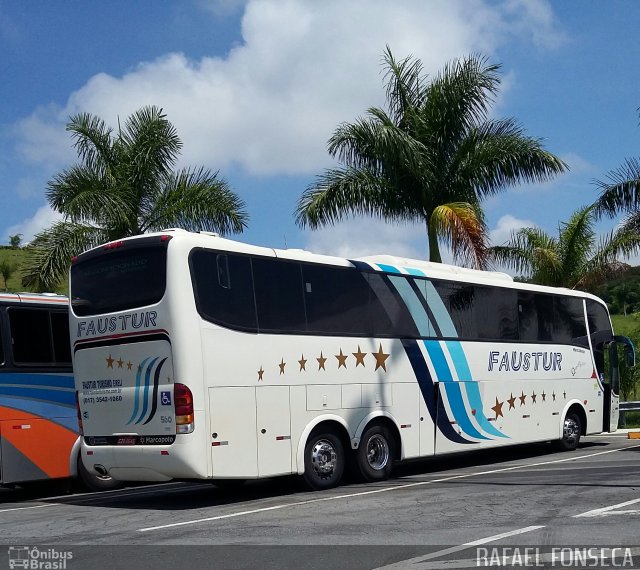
(377, 491)
(608, 510)
(402, 565)
(25, 508)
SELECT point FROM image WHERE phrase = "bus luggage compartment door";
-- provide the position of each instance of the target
(274, 430)
(234, 448)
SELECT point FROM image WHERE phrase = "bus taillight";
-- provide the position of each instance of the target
(184, 408)
(80, 428)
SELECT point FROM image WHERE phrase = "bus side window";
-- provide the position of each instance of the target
(224, 278)
(30, 336)
(61, 340)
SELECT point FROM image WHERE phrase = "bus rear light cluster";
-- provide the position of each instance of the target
(184, 408)
(80, 427)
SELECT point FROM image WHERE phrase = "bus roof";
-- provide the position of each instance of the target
(429, 269)
(26, 297)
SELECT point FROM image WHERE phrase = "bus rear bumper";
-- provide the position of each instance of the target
(137, 474)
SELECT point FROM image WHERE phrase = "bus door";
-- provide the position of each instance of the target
(619, 346)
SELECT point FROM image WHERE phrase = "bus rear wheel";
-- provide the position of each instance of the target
(571, 430)
(324, 460)
(374, 456)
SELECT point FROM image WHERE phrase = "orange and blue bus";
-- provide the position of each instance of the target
(38, 418)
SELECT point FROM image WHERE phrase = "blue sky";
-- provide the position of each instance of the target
(255, 89)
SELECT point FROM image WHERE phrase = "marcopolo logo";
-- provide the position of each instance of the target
(38, 558)
(145, 402)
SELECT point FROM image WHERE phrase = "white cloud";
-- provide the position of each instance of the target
(303, 67)
(505, 227)
(44, 218)
(367, 236)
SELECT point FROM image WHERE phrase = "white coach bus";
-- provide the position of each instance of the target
(197, 357)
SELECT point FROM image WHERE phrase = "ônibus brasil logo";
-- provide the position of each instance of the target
(38, 558)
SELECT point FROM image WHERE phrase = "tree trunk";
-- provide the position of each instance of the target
(434, 247)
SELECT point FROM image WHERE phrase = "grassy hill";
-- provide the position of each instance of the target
(17, 258)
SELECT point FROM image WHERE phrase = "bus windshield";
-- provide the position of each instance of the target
(118, 280)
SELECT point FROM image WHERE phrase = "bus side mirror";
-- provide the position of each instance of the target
(629, 356)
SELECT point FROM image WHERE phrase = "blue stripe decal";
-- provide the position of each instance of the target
(56, 413)
(440, 312)
(475, 400)
(459, 360)
(413, 304)
(454, 395)
(137, 392)
(427, 388)
(66, 398)
(472, 389)
(145, 396)
(30, 379)
(388, 268)
(414, 272)
(443, 374)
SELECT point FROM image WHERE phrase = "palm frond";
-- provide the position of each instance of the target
(92, 140)
(621, 191)
(51, 251)
(196, 200)
(461, 226)
(343, 191)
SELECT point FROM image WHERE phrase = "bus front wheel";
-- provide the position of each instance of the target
(374, 456)
(324, 460)
(571, 430)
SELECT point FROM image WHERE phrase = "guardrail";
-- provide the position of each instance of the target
(627, 407)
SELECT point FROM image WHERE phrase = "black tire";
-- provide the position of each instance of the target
(324, 461)
(571, 430)
(374, 456)
(93, 482)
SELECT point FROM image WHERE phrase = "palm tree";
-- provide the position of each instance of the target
(432, 157)
(125, 185)
(574, 259)
(620, 192)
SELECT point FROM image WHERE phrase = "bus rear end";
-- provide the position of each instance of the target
(137, 420)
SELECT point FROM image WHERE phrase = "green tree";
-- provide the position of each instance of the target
(575, 259)
(620, 193)
(6, 270)
(14, 241)
(125, 185)
(431, 157)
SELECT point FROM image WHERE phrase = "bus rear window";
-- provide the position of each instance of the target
(118, 280)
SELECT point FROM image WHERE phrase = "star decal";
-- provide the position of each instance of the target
(282, 365)
(512, 402)
(564, 394)
(380, 357)
(120, 362)
(544, 396)
(321, 362)
(522, 399)
(109, 362)
(260, 374)
(129, 365)
(498, 409)
(533, 397)
(554, 395)
(342, 359)
(359, 357)
(303, 363)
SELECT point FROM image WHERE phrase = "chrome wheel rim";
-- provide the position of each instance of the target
(324, 458)
(377, 452)
(571, 430)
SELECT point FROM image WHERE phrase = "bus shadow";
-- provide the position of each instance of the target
(198, 495)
